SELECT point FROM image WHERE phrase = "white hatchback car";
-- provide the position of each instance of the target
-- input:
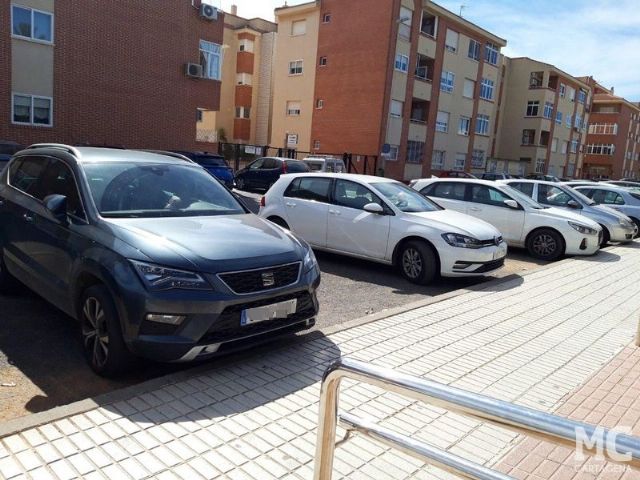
(385, 221)
(546, 232)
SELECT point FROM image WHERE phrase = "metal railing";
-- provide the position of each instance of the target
(520, 419)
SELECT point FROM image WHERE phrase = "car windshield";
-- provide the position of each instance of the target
(135, 190)
(404, 198)
(522, 198)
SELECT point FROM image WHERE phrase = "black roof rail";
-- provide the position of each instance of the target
(60, 146)
(168, 154)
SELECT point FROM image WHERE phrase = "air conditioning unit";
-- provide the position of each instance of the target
(208, 12)
(193, 70)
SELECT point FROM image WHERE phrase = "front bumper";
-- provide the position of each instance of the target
(468, 262)
(580, 244)
(618, 233)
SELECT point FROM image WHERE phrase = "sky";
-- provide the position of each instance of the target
(593, 37)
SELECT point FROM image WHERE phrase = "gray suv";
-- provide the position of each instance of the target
(150, 253)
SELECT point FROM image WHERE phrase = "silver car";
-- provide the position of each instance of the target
(616, 227)
(622, 199)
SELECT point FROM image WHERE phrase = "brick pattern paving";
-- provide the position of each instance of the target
(611, 398)
(531, 340)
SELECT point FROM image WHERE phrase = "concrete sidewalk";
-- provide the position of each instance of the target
(531, 340)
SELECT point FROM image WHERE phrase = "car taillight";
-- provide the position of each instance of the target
(284, 167)
(262, 201)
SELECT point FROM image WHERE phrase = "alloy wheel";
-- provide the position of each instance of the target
(544, 245)
(412, 263)
(94, 332)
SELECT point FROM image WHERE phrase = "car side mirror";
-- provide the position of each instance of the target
(573, 204)
(373, 208)
(512, 204)
(57, 206)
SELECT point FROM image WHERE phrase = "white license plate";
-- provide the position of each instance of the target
(268, 312)
(500, 252)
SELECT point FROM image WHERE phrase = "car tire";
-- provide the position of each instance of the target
(279, 221)
(102, 341)
(606, 236)
(637, 222)
(417, 262)
(545, 244)
(7, 281)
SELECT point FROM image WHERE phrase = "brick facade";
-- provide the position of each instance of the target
(119, 74)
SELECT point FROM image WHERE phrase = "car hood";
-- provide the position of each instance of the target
(209, 244)
(610, 212)
(574, 217)
(450, 221)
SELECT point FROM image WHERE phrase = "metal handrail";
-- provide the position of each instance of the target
(520, 419)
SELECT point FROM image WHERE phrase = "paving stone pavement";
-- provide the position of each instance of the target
(531, 340)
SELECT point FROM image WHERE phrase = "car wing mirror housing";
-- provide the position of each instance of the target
(57, 206)
(512, 204)
(373, 208)
(573, 204)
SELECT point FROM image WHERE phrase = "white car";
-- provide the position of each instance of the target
(546, 232)
(385, 221)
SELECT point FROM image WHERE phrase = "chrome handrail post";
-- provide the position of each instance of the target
(328, 421)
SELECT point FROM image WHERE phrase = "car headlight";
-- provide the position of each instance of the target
(156, 277)
(583, 229)
(625, 223)
(463, 241)
(309, 261)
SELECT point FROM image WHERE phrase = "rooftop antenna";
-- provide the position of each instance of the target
(462, 7)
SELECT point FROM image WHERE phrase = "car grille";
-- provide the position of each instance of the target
(487, 267)
(491, 242)
(227, 327)
(262, 279)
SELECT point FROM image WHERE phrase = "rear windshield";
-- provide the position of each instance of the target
(314, 166)
(297, 167)
(210, 160)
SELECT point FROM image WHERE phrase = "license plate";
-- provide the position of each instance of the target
(268, 312)
(500, 252)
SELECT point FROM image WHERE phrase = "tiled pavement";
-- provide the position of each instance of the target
(531, 340)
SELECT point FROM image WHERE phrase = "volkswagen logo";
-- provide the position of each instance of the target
(497, 240)
(268, 280)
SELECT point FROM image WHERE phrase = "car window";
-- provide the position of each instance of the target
(405, 198)
(270, 163)
(309, 188)
(257, 164)
(451, 190)
(211, 160)
(57, 179)
(25, 172)
(297, 167)
(554, 196)
(314, 166)
(353, 195)
(488, 196)
(524, 187)
(613, 198)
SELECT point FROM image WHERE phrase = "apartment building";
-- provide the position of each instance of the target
(122, 72)
(543, 120)
(612, 146)
(359, 77)
(246, 92)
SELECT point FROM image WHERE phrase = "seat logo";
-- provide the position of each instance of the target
(268, 280)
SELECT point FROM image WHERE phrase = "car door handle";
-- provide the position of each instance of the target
(475, 209)
(28, 218)
(290, 204)
(335, 212)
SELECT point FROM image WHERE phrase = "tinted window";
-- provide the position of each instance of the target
(526, 188)
(488, 196)
(310, 189)
(257, 164)
(25, 173)
(554, 196)
(451, 190)
(212, 160)
(297, 167)
(353, 195)
(270, 163)
(57, 179)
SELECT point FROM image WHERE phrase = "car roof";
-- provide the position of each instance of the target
(99, 154)
(345, 176)
(461, 180)
(506, 181)
(608, 186)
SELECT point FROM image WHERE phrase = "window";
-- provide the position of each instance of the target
(419, 111)
(414, 151)
(532, 108)
(528, 137)
(326, 18)
(559, 118)
(396, 108)
(243, 112)
(437, 159)
(293, 108)
(482, 124)
(323, 61)
(210, 59)
(244, 78)
(572, 94)
(486, 89)
(548, 110)
(32, 110)
(582, 96)
(474, 50)
(554, 196)
(477, 159)
(601, 149)
(295, 67)
(199, 115)
(353, 195)
(402, 63)
(25, 173)
(526, 188)
(309, 188)
(32, 24)
(245, 45)
(451, 41)
(447, 81)
(319, 103)
(298, 27)
(292, 139)
(468, 88)
(316, 144)
(428, 24)
(464, 125)
(568, 121)
(554, 144)
(563, 90)
(491, 53)
(460, 161)
(488, 196)
(574, 146)
(577, 121)
(603, 128)
(404, 27)
(540, 165)
(565, 147)
(442, 121)
(424, 65)
(451, 190)
(607, 197)
(536, 79)
(393, 152)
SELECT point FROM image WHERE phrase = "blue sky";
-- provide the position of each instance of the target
(587, 37)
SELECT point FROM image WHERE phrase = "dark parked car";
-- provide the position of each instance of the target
(496, 176)
(150, 254)
(213, 163)
(264, 172)
(7, 149)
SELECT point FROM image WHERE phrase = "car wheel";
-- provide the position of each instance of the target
(102, 340)
(280, 222)
(417, 262)
(637, 222)
(240, 183)
(545, 244)
(606, 236)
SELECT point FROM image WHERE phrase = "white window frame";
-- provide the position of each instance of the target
(460, 157)
(450, 36)
(559, 117)
(547, 110)
(464, 125)
(302, 21)
(567, 121)
(448, 81)
(326, 17)
(487, 89)
(465, 93)
(246, 45)
(475, 50)
(491, 53)
(563, 90)
(604, 129)
(392, 110)
(244, 79)
(208, 49)
(293, 67)
(475, 155)
(293, 112)
(411, 152)
(322, 61)
(441, 156)
(531, 104)
(573, 147)
(393, 152)
(32, 38)
(243, 112)
(404, 26)
(401, 63)
(482, 124)
(316, 144)
(442, 126)
(294, 137)
(31, 110)
(319, 104)
(540, 165)
(565, 147)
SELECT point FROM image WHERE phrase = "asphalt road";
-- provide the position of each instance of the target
(41, 362)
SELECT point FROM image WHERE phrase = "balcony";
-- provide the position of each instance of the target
(427, 46)
(419, 111)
